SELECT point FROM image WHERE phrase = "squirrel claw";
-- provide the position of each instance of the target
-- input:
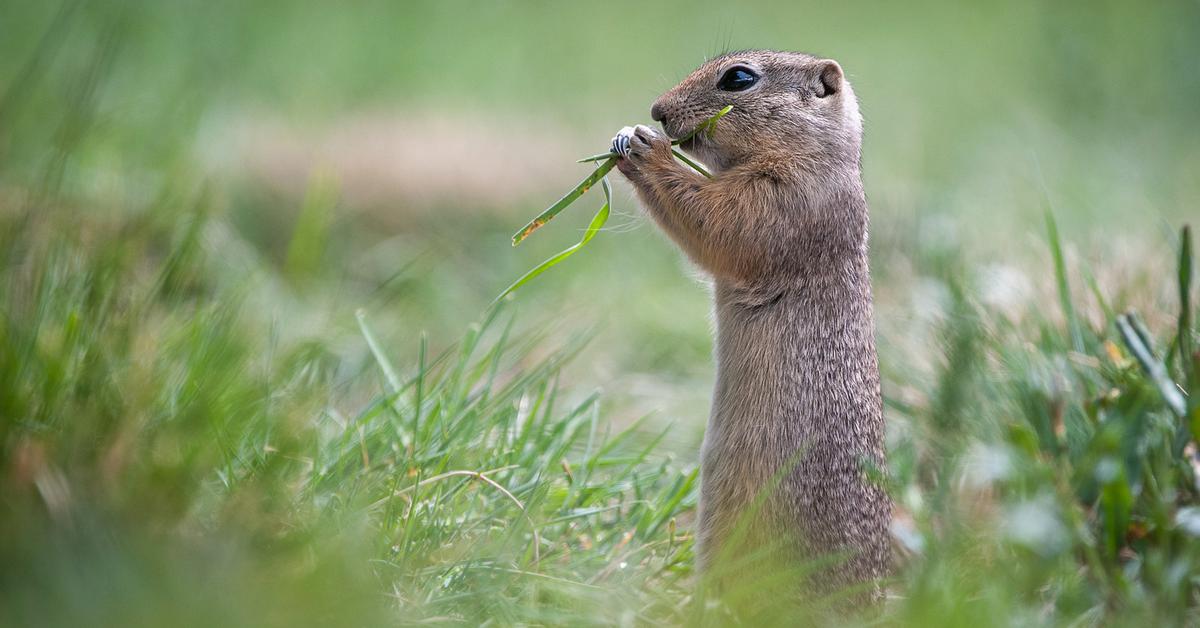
(621, 142)
(634, 141)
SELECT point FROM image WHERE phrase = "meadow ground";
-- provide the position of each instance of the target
(249, 374)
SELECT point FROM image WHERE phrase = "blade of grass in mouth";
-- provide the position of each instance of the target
(610, 160)
(708, 126)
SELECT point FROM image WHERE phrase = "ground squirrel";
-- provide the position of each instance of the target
(782, 229)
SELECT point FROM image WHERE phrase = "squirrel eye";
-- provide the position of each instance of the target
(737, 79)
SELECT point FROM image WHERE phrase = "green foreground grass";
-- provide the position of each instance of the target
(169, 456)
(165, 458)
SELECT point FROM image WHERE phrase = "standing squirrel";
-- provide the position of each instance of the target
(793, 452)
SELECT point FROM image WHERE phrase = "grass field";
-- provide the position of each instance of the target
(249, 374)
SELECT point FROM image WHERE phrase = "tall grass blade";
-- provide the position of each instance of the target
(593, 228)
(1184, 337)
(1064, 287)
(562, 203)
(385, 365)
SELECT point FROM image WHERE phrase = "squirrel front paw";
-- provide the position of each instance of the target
(635, 143)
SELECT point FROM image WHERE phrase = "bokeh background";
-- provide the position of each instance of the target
(377, 156)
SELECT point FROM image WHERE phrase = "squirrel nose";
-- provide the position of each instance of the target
(657, 113)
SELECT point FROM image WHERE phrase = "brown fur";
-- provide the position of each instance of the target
(782, 229)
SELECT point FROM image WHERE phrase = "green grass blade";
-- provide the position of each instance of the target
(419, 389)
(707, 126)
(385, 365)
(1064, 287)
(1184, 340)
(682, 490)
(593, 228)
(1109, 313)
(563, 202)
(679, 154)
(610, 160)
(695, 166)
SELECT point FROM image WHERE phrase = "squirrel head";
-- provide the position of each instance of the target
(790, 109)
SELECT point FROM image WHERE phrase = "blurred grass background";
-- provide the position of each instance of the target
(199, 196)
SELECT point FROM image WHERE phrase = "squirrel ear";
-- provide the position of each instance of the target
(829, 78)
